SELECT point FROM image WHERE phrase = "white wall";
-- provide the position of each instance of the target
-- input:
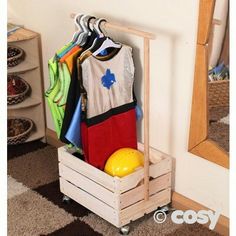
(172, 68)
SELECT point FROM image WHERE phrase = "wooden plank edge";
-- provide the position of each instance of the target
(89, 186)
(143, 207)
(86, 169)
(13, 39)
(90, 202)
(52, 139)
(199, 110)
(135, 195)
(211, 151)
(181, 202)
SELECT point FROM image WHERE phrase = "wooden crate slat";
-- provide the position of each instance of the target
(161, 168)
(85, 169)
(90, 202)
(135, 195)
(89, 186)
(154, 156)
(159, 199)
(130, 181)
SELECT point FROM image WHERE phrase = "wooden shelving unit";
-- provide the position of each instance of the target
(31, 71)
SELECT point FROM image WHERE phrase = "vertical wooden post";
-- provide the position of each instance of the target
(146, 116)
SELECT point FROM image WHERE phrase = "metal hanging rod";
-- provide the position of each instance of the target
(125, 29)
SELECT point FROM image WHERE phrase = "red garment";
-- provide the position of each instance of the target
(102, 139)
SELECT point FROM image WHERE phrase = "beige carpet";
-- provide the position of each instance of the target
(31, 214)
(35, 205)
(35, 168)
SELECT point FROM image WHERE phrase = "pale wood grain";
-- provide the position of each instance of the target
(161, 168)
(90, 202)
(88, 185)
(146, 115)
(159, 199)
(130, 197)
(85, 169)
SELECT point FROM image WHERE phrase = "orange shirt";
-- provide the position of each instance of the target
(75, 48)
(68, 57)
(69, 60)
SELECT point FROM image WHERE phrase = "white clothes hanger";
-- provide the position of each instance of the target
(84, 35)
(108, 43)
(76, 33)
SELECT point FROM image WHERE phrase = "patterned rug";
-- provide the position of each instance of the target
(35, 204)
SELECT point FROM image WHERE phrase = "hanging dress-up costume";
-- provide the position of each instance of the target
(108, 105)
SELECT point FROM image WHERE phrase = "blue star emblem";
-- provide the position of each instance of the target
(108, 79)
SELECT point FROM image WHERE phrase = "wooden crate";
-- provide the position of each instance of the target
(117, 200)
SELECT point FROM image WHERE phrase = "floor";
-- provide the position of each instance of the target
(35, 204)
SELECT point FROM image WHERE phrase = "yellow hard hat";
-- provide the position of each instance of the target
(123, 162)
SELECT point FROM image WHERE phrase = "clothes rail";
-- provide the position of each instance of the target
(120, 200)
(146, 44)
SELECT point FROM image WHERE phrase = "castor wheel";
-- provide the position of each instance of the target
(66, 199)
(124, 230)
(165, 209)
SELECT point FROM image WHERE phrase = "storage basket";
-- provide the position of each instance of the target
(15, 55)
(218, 93)
(18, 129)
(17, 88)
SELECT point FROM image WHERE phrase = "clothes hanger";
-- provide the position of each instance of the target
(87, 38)
(107, 43)
(100, 34)
(96, 33)
(92, 34)
(83, 36)
(88, 24)
(79, 27)
(97, 27)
